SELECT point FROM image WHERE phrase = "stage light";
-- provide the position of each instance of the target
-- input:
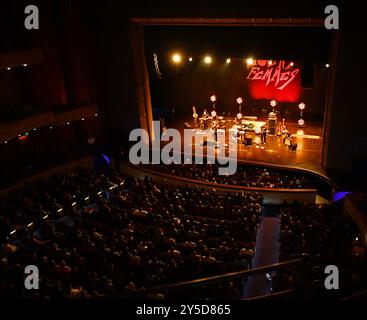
(327, 65)
(82, 119)
(68, 123)
(8, 68)
(34, 129)
(239, 116)
(208, 59)
(176, 58)
(228, 60)
(301, 122)
(301, 106)
(250, 61)
(239, 100)
(96, 114)
(270, 62)
(292, 64)
(190, 59)
(51, 128)
(213, 114)
(273, 103)
(213, 98)
(5, 142)
(24, 64)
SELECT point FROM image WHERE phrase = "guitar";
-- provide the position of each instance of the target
(194, 114)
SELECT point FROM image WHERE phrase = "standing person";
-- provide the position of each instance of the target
(215, 128)
(288, 139)
(195, 116)
(264, 131)
(205, 119)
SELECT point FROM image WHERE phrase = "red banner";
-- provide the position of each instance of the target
(274, 79)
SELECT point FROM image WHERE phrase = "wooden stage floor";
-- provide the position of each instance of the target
(274, 152)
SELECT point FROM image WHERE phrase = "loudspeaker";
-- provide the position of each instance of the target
(307, 74)
(293, 147)
(272, 124)
(187, 125)
(247, 141)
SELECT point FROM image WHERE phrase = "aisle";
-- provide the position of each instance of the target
(267, 252)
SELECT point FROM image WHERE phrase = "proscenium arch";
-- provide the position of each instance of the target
(141, 76)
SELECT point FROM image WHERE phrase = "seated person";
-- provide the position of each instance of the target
(287, 139)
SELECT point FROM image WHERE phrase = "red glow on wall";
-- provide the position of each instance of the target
(22, 138)
(274, 79)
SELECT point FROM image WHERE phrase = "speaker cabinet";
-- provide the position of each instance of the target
(247, 142)
(272, 125)
(293, 147)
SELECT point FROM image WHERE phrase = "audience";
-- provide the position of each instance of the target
(247, 176)
(95, 235)
(327, 237)
(139, 236)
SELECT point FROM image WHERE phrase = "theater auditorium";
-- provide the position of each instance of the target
(266, 86)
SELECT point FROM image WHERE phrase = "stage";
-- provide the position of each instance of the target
(274, 152)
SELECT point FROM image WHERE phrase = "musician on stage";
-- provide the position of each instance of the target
(205, 118)
(195, 116)
(243, 133)
(215, 127)
(264, 132)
